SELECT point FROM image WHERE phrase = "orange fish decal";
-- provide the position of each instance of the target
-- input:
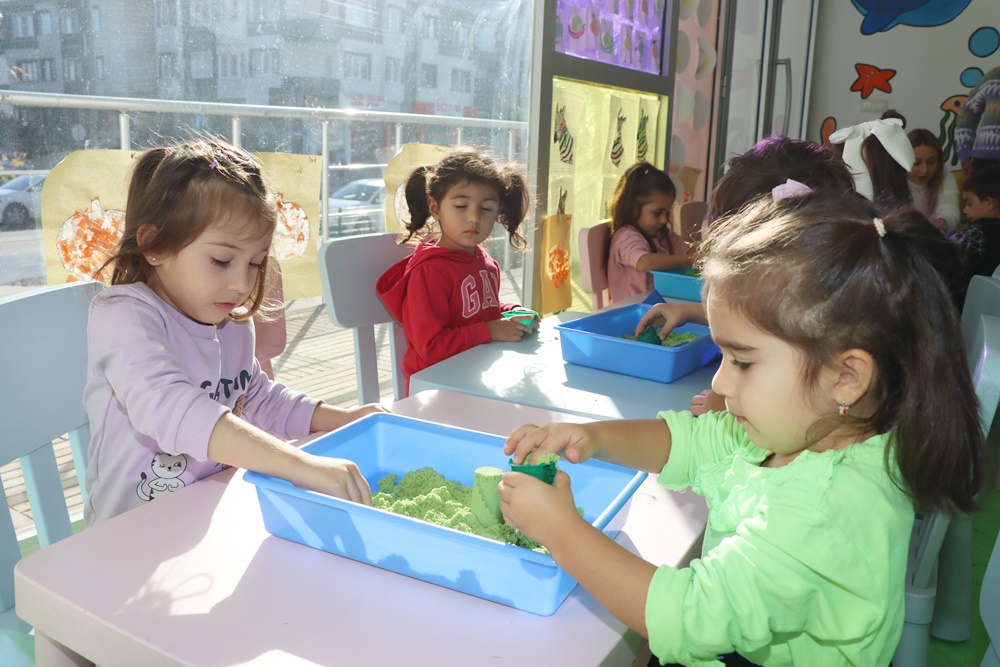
(870, 78)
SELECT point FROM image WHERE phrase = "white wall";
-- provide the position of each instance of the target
(928, 63)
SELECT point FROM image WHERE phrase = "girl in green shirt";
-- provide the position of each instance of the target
(849, 402)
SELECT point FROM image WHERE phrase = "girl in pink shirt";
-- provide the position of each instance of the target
(641, 239)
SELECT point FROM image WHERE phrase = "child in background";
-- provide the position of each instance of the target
(776, 167)
(981, 195)
(848, 405)
(932, 187)
(446, 294)
(641, 238)
(174, 393)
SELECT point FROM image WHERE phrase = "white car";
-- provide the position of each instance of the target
(21, 202)
(358, 207)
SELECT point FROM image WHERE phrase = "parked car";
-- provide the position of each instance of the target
(21, 202)
(358, 207)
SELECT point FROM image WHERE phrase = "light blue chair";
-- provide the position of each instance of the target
(989, 597)
(349, 267)
(953, 604)
(939, 574)
(44, 361)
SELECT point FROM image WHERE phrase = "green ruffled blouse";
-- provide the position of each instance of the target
(801, 565)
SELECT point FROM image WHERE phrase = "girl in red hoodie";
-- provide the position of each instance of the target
(446, 294)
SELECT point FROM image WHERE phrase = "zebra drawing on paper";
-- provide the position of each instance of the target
(562, 136)
(640, 137)
(616, 147)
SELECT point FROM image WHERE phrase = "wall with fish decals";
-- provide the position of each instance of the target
(920, 58)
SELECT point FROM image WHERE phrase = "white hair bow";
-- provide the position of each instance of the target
(892, 136)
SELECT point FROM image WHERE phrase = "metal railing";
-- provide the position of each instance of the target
(322, 116)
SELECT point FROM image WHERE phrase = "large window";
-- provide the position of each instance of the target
(392, 63)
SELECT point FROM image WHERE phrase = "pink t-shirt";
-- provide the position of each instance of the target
(627, 245)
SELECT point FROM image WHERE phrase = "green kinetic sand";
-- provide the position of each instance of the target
(425, 494)
(673, 339)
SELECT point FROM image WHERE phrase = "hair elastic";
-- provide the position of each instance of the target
(790, 188)
(879, 226)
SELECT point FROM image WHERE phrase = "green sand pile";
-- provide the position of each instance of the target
(672, 340)
(425, 494)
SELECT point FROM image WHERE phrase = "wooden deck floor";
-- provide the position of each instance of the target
(318, 359)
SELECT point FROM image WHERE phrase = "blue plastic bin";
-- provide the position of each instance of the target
(678, 284)
(385, 443)
(593, 341)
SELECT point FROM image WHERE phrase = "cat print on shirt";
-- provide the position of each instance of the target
(166, 471)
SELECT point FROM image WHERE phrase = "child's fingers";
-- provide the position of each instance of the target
(510, 445)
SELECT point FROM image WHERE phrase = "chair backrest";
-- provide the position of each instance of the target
(349, 268)
(593, 243)
(692, 215)
(981, 298)
(988, 366)
(44, 360)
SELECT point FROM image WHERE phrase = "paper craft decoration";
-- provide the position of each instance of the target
(83, 215)
(398, 171)
(556, 289)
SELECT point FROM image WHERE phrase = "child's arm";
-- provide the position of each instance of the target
(327, 417)
(237, 443)
(661, 261)
(641, 444)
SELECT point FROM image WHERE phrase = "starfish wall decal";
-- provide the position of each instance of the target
(870, 78)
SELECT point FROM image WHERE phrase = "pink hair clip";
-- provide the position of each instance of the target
(213, 164)
(790, 188)
(167, 151)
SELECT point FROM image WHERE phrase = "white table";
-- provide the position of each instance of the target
(532, 372)
(194, 579)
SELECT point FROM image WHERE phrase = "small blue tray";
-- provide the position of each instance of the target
(385, 443)
(678, 284)
(593, 341)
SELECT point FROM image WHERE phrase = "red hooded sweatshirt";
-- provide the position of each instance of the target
(443, 298)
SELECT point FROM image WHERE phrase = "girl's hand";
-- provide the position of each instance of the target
(540, 511)
(507, 330)
(668, 316)
(339, 478)
(707, 401)
(572, 441)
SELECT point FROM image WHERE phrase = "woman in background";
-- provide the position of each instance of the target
(932, 187)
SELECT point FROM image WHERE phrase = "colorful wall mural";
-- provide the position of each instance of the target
(928, 93)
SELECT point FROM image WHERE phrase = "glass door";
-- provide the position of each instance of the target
(765, 74)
